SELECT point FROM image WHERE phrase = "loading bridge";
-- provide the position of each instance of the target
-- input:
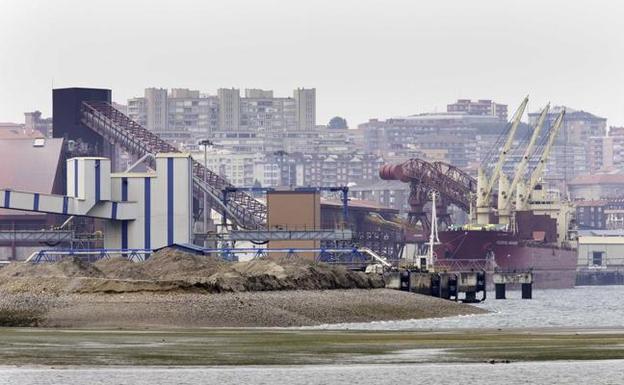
(119, 130)
(454, 185)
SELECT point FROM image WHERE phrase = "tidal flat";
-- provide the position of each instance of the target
(224, 347)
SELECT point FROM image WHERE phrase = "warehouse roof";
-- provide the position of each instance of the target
(29, 165)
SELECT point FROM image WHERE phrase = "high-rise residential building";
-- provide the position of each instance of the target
(259, 110)
(226, 114)
(606, 153)
(258, 93)
(238, 168)
(193, 112)
(229, 109)
(137, 110)
(578, 126)
(452, 136)
(617, 141)
(305, 103)
(480, 107)
(572, 150)
(156, 107)
(33, 122)
(600, 153)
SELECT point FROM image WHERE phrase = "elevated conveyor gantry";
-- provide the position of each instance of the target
(454, 185)
(118, 129)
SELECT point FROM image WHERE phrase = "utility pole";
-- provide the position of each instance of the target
(433, 235)
(205, 143)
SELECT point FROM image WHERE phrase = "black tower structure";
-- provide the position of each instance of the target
(66, 115)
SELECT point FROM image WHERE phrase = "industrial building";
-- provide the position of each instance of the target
(160, 199)
(600, 257)
(29, 164)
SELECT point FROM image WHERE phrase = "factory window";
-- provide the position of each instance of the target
(597, 257)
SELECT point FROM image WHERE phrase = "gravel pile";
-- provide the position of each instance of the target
(174, 270)
(175, 289)
(24, 309)
(67, 267)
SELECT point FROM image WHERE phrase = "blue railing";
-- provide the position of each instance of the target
(353, 257)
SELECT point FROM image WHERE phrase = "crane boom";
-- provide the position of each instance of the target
(503, 155)
(527, 154)
(539, 169)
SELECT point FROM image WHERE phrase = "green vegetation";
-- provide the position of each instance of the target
(292, 347)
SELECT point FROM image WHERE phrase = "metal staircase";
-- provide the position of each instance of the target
(119, 130)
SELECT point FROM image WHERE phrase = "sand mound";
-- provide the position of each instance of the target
(67, 267)
(121, 268)
(263, 275)
(174, 270)
(172, 264)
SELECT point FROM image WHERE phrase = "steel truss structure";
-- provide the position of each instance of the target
(454, 185)
(285, 235)
(90, 255)
(454, 265)
(119, 130)
(32, 236)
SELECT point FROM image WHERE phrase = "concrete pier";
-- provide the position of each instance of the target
(502, 279)
(441, 285)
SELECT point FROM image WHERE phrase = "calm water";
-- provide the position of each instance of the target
(602, 372)
(585, 307)
(581, 307)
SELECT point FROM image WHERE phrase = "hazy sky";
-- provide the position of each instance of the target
(365, 58)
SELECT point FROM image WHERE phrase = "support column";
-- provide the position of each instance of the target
(500, 290)
(527, 290)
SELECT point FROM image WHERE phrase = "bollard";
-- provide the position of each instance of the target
(452, 287)
(527, 290)
(500, 290)
(471, 297)
(405, 280)
(435, 285)
(444, 286)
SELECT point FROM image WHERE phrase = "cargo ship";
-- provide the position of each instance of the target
(531, 247)
(519, 226)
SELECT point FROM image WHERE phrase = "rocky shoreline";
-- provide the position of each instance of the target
(247, 309)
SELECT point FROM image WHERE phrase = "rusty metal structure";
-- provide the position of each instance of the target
(454, 185)
(119, 130)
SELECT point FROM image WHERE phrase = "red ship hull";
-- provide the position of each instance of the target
(553, 267)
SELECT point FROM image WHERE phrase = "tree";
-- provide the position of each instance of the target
(338, 123)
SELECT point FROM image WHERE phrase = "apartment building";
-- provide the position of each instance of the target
(187, 110)
(453, 133)
(480, 107)
(305, 102)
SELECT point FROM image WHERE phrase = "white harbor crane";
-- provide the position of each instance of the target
(504, 188)
(486, 186)
(486, 193)
(524, 191)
